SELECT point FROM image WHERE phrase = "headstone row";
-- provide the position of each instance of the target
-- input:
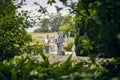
(57, 45)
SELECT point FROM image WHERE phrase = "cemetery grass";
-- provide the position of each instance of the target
(41, 35)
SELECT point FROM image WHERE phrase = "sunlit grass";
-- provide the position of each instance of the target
(41, 35)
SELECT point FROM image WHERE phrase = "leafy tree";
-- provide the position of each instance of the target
(57, 21)
(45, 23)
(98, 23)
(51, 24)
(13, 35)
(69, 25)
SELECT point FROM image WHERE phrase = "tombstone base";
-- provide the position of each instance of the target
(62, 53)
(47, 49)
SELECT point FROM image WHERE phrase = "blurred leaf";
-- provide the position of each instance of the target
(51, 2)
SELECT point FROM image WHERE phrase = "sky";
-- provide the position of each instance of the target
(51, 9)
(31, 7)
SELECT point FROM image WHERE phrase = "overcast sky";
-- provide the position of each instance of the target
(51, 9)
(31, 7)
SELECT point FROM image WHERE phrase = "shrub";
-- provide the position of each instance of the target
(99, 21)
(13, 35)
(27, 67)
(35, 49)
(68, 47)
(84, 47)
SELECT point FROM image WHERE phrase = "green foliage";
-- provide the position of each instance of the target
(99, 21)
(44, 25)
(51, 2)
(69, 25)
(68, 47)
(57, 21)
(92, 19)
(28, 67)
(109, 67)
(85, 46)
(13, 35)
(4, 5)
(51, 24)
(35, 49)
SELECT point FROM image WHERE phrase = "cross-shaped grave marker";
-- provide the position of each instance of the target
(59, 41)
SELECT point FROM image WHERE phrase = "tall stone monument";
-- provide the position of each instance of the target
(47, 44)
(59, 41)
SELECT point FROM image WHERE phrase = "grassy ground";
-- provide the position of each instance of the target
(40, 39)
(41, 35)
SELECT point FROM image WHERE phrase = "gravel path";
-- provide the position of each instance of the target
(56, 58)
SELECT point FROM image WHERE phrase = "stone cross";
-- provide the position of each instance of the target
(59, 41)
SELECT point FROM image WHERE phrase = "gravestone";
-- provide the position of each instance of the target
(69, 34)
(47, 44)
(66, 38)
(47, 39)
(59, 41)
(73, 51)
(55, 45)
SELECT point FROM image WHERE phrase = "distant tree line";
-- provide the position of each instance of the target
(51, 24)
